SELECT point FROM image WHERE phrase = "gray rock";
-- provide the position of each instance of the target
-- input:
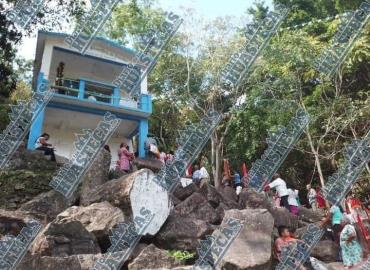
(250, 198)
(97, 218)
(97, 175)
(182, 233)
(74, 262)
(326, 251)
(182, 193)
(229, 194)
(11, 222)
(146, 193)
(282, 217)
(251, 250)
(64, 237)
(146, 163)
(308, 215)
(46, 206)
(197, 207)
(154, 258)
(116, 192)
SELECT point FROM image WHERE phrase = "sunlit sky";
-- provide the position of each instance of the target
(208, 9)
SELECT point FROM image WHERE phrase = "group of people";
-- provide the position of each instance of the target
(284, 197)
(195, 174)
(349, 229)
(234, 179)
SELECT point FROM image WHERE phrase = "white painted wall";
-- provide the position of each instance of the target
(80, 66)
(62, 125)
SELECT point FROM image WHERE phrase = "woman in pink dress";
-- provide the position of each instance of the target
(125, 156)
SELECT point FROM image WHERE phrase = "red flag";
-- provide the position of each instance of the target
(244, 170)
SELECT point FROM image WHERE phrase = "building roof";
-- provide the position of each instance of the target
(104, 40)
(114, 47)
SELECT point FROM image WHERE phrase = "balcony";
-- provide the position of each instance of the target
(97, 93)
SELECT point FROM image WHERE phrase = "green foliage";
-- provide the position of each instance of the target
(181, 255)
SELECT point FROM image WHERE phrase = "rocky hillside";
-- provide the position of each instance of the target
(76, 232)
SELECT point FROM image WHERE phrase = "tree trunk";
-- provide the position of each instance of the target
(216, 160)
(218, 166)
(317, 160)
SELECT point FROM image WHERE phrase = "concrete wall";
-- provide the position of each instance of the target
(79, 66)
(62, 126)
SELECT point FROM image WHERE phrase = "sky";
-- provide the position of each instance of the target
(208, 9)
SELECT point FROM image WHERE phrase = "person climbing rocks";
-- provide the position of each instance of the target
(280, 186)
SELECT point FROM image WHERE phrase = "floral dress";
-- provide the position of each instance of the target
(351, 252)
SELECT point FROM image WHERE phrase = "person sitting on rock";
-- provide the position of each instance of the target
(283, 242)
(204, 175)
(43, 145)
(196, 174)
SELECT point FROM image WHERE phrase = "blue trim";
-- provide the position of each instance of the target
(90, 56)
(36, 127)
(98, 82)
(107, 41)
(71, 107)
(143, 134)
(100, 103)
(146, 103)
(116, 96)
(81, 89)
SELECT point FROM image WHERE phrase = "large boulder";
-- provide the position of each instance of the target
(153, 164)
(74, 262)
(154, 258)
(46, 206)
(97, 218)
(229, 194)
(65, 237)
(182, 233)
(28, 174)
(326, 251)
(146, 193)
(116, 192)
(197, 207)
(251, 250)
(249, 198)
(97, 175)
(182, 193)
(282, 217)
(11, 222)
(308, 215)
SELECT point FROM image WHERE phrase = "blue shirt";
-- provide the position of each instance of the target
(336, 215)
(237, 178)
(196, 175)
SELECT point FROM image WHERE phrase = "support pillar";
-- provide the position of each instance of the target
(143, 134)
(36, 127)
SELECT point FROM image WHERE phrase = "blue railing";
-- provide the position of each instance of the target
(93, 91)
